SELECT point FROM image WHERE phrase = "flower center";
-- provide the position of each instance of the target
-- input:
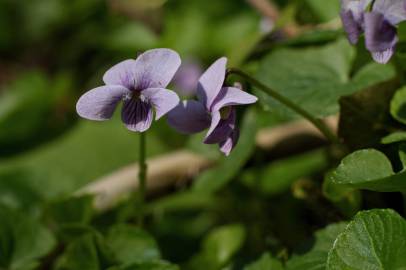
(135, 95)
(225, 112)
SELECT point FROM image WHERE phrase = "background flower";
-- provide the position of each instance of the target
(378, 22)
(185, 80)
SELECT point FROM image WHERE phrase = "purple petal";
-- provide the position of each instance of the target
(380, 36)
(163, 100)
(137, 115)
(351, 26)
(228, 145)
(356, 6)
(229, 96)
(220, 128)
(189, 117)
(384, 56)
(211, 81)
(99, 103)
(393, 10)
(121, 74)
(156, 68)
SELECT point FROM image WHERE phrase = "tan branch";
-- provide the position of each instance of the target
(163, 171)
(167, 170)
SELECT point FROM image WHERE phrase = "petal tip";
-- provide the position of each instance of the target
(383, 57)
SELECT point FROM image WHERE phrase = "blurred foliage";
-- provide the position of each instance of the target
(316, 258)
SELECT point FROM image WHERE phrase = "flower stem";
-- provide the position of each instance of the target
(285, 101)
(142, 176)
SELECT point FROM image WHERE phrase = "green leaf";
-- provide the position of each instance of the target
(222, 243)
(19, 194)
(86, 252)
(68, 232)
(398, 105)
(325, 10)
(188, 200)
(130, 244)
(266, 262)
(373, 240)
(347, 199)
(156, 265)
(314, 78)
(402, 154)
(236, 36)
(369, 169)
(76, 210)
(316, 36)
(395, 137)
(218, 247)
(23, 105)
(373, 73)
(402, 31)
(278, 176)
(189, 41)
(214, 179)
(23, 240)
(316, 258)
(122, 38)
(364, 116)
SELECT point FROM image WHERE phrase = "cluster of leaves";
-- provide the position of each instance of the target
(301, 205)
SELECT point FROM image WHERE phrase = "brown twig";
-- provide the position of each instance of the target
(268, 137)
(163, 171)
(171, 168)
(266, 8)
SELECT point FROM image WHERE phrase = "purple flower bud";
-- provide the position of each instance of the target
(213, 110)
(140, 85)
(185, 80)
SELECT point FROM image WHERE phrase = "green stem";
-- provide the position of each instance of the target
(316, 122)
(142, 176)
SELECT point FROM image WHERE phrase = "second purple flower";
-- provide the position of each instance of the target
(214, 109)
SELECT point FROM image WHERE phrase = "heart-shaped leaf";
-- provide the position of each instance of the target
(315, 78)
(369, 169)
(375, 239)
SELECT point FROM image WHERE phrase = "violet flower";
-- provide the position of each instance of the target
(140, 84)
(214, 109)
(378, 22)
